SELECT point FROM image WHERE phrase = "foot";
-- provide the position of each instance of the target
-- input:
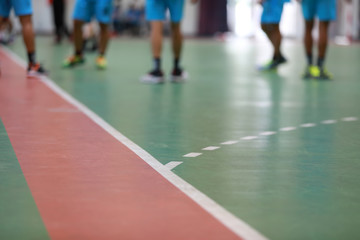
(101, 62)
(178, 76)
(273, 64)
(35, 69)
(311, 72)
(73, 61)
(153, 77)
(324, 74)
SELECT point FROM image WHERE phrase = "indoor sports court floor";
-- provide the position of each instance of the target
(249, 155)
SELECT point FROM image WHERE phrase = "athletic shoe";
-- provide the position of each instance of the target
(101, 62)
(273, 64)
(324, 74)
(153, 77)
(35, 69)
(178, 76)
(311, 72)
(73, 61)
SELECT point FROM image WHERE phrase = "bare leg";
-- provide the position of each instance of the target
(104, 38)
(2, 23)
(156, 38)
(78, 36)
(28, 33)
(323, 38)
(155, 75)
(177, 39)
(273, 33)
(308, 40)
(29, 41)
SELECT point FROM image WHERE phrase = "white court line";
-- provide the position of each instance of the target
(350, 119)
(287, 129)
(211, 148)
(331, 121)
(193, 154)
(308, 125)
(236, 225)
(173, 164)
(229, 142)
(269, 133)
(249, 137)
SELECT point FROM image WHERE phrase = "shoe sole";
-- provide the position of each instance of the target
(152, 80)
(36, 74)
(180, 79)
(73, 65)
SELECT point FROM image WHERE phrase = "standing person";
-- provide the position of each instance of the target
(270, 24)
(83, 12)
(23, 10)
(59, 9)
(325, 11)
(155, 13)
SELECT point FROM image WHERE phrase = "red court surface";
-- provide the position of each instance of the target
(86, 184)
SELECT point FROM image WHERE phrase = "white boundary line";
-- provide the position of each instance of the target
(236, 225)
(173, 164)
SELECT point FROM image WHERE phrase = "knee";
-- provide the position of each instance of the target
(268, 28)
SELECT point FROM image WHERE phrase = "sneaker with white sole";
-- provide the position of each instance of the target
(179, 76)
(36, 70)
(153, 77)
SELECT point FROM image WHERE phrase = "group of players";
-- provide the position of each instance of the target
(85, 10)
(324, 10)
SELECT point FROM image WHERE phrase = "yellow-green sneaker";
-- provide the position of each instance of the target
(101, 62)
(311, 72)
(72, 61)
(324, 74)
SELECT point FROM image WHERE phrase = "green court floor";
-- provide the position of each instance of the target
(291, 181)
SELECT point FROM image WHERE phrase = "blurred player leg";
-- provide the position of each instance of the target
(177, 74)
(34, 68)
(270, 23)
(155, 13)
(103, 11)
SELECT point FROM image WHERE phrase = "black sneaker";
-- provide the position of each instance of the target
(273, 64)
(35, 69)
(153, 77)
(178, 76)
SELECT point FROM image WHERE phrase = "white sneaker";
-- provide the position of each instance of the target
(153, 77)
(179, 76)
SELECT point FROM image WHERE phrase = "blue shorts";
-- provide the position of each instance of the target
(325, 10)
(21, 7)
(156, 9)
(85, 10)
(272, 10)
